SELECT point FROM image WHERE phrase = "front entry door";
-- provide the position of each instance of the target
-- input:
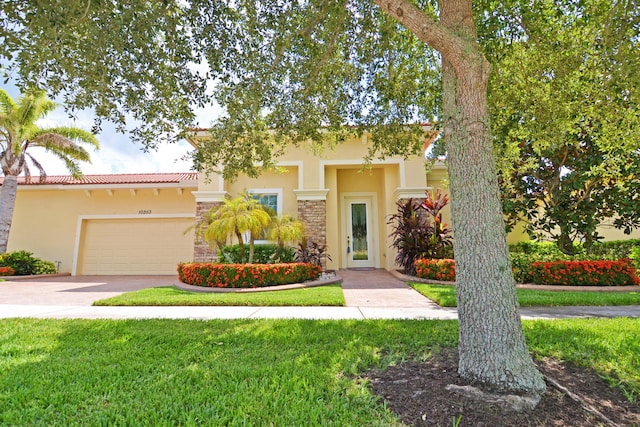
(359, 232)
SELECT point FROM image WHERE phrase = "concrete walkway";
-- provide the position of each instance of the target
(370, 294)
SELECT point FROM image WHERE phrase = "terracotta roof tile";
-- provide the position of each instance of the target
(139, 178)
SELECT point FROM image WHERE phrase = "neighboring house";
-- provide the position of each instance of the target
(107, 224)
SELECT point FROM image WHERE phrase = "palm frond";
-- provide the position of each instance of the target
(27, 171)
(6, 103)
(33, 106)
(61, 147)
(74, 134)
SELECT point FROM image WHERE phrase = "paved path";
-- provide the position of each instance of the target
(370, 294)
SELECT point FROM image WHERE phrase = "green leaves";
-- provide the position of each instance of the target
(124, 59)
(565, 115)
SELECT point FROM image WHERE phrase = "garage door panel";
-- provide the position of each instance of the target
(134, 246)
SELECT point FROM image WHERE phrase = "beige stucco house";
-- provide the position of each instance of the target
(139, 224)
(342, 204)
(107, 224)
(135, 224)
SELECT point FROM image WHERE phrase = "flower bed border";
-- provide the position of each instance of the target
(336, 279)
(585, 273)
(246, 276)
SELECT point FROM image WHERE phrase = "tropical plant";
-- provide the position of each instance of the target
(418, 231)
(310, 251)
(235, 217)
(283, 229)
(409, 234)
(440, 239)
(18, 133)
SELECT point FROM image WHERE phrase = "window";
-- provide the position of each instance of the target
(270, 198)
(269, 201)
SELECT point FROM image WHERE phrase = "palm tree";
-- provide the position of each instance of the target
(235, 217)
(18, 133)
(285, 228)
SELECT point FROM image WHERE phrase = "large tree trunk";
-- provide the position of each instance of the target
(492, 347)
(7, 203)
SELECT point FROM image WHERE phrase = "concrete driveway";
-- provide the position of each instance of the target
(75, 290)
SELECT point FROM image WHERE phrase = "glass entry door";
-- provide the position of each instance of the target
(359, 227)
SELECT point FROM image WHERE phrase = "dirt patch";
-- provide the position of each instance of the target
(416, 392)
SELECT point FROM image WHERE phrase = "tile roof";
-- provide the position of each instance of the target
(138, 178)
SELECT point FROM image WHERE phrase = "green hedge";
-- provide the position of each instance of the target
(635, 257)
(612, 250)
(217, 275)
(262, 254)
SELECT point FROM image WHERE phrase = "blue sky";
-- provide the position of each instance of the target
(117, 154)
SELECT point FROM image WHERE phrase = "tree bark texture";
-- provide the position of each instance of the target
(492, 346)
(7, 203)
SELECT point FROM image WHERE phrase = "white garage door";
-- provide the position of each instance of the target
(134, 246)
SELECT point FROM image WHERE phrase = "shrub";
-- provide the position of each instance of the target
(311, 252)
(436, 269)
(614, 249)
(584, 273)
(263, 254)
(635, 257)
(539, 250)
(7, 271)
(44, 267)
(523, 254)
(418, 231)
(22, 262)
(246, 275)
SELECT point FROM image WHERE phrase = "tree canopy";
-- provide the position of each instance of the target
(565, 114)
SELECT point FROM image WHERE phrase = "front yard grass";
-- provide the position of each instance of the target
(329, 295)
(249, 372)
(445, 296)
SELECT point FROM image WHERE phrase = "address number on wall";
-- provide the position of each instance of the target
(144, 211)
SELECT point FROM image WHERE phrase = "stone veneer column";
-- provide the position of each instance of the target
(202, 252)
(205, 200)
(313, 214)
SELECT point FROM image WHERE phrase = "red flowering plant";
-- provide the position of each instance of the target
(436, 269)
(246, 275)
(6, 271)
(585, 273)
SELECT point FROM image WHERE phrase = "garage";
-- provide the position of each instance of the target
(134, 246)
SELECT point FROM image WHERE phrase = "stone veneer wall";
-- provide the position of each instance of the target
(202, 252)
(313, 214)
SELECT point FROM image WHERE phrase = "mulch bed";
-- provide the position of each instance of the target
(416, 392)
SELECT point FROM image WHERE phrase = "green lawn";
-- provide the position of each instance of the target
(320, 295)
(249, 372)
(445, 296)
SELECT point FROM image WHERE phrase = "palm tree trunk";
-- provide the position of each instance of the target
(243, 254)
(7, 203)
